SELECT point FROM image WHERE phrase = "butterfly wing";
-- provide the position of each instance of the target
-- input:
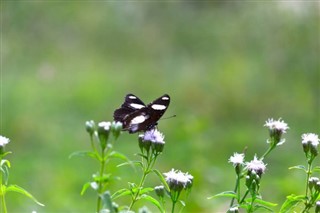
(131, 104)
(147, 117)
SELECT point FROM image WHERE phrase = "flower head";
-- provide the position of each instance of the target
(310, 142)
(178, 180)
(278, 125)
(310, 138)
(104, 125)
(3, 141)
(276, 129)
(152, 138)
(256, 166)
(237, 159)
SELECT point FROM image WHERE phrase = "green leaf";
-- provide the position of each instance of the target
(120, 193)
(162, 179)
(119, 155)
(291, 202)
(146, 190)
(85, 153)
(300, 167)
(256, 207)
(5, 163)
(316, 169)
(262, 202)
(131, 163)
(153, 201)
(142, 155)
(230, 194)
(5, 154)
(85, 187)
(182, 203)
(15, 188)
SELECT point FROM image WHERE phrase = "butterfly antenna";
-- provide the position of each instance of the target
(172, 116)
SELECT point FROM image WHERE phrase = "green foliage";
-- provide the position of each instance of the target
(4, 179)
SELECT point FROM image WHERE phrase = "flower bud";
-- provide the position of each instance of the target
(248, 181)
(233, 210)
(103, 133)
(317, 210)
(317, 186)
(159, 191)
(90, 127)
(312, 182)
(116, 129)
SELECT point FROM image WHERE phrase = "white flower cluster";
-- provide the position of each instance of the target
(3, 141)
(256, 165)
(278, 125)
(178, 180)
(310, 138)
(154, 136)
(237, 159)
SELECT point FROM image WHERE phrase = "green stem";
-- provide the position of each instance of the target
(307, 204)
(173, 206)
(244, 196)
(267, 152)
(2, 192)
(174, 198)
(92, 144)
(236, 190)
(251, 205)
(307, 179)
(146, 170)
(100, 188)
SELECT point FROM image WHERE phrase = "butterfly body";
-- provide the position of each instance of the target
(135, 116)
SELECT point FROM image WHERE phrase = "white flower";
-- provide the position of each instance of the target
(105, 125)
(313, 179)
(236, 159)
(117, 124)
(234, 209)
(256, 165)
(3, 141)
(153, 136)
(178, 180)
(278, 125)
(311, 138)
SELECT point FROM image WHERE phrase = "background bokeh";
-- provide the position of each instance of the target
(228, 67)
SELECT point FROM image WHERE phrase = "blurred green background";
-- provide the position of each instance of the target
(228, 67)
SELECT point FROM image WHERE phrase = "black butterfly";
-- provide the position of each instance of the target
(135, 116)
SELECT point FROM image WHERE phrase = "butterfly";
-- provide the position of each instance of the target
(135, 116)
